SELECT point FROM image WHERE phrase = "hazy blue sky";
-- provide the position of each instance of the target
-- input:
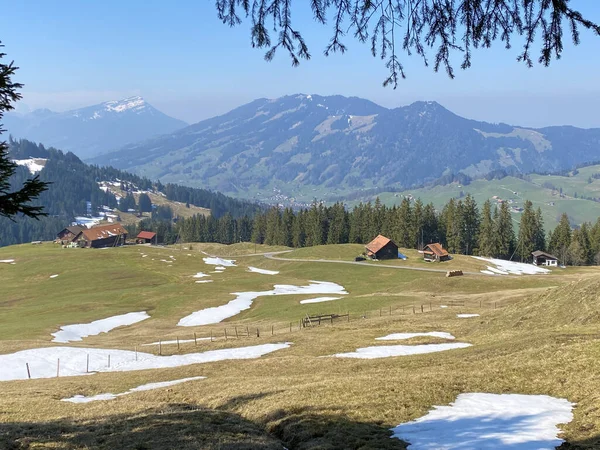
(184, 61)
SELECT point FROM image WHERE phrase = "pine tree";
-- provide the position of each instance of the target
(527, 232)
(487, 233)
(338, 225)
(404, 224)
(298, 233)
(470, 223)
(315, 225)
(258, 229)
(417, 225)
(505, 233)
(561, 239)
(144, 203)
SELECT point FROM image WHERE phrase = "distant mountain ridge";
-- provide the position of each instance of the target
(95, 129)
(311, 143)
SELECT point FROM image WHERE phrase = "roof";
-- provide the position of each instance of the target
(146, 235)
(104, 232)
(539, 253)
(436, 248)
(378, 243)
(75, 229)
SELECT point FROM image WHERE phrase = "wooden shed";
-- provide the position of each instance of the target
(382, 248)
(146, 237)
(69, 234)
(541, 258)
(435, 252)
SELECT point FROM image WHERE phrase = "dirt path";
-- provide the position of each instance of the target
(272, 255)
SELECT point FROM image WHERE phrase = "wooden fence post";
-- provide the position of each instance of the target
(348, 316)
(211, 337)
(177, 343)
(272, 330)
(28, 372)
(247, 332)
(413, 309)
(196, 340)
(57, 367)
(225, 333)
(236, 333)
(290, 327)
(109, 360)
(257, 333)
(421, 308)
(390, 310)
(160, 347)
(135, 353)
(379, 312)
(87, 364)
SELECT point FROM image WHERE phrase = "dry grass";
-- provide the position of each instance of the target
(544, 340)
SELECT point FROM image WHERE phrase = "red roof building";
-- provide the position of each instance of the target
(435, 252)
(382, 248)
(146, 237)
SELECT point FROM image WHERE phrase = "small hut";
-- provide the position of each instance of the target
(382, 248)
(541, 258)
(146, 237)
(69, 234)
(435, 252)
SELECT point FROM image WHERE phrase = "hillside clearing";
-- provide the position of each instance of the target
(535, 335)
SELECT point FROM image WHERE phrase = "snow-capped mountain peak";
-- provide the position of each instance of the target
(132, 103)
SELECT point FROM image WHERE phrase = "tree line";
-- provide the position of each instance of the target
(460, 226)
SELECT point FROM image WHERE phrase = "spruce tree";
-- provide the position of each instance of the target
(505, 232)
(470, 224)
(561, 239)
(487, 233)
(527, 232)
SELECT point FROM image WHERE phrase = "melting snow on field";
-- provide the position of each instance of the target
(200, 275)
(263, 271)
(244, 300)
(479, 421)
(143, 387)
(43, 362)
(34, 165)
(175, 341)
(213, 261)
(466, 316)
(87, 222)
(402, 336)
(7, 261)
(77, 332)
(54, 276)
(319, 300)
(204, 281)
(504, 267)
(386, 351)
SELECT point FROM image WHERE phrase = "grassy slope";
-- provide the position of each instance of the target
(580, 210)
(542, 345)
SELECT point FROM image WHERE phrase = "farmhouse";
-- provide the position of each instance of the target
(435, 252)
(69, 234)
(544, 259)
(382, 248)
(111, 235)
(146, 237)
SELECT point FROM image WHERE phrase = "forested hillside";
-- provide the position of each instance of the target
(75, 183)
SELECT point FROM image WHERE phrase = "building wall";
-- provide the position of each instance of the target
(108, 242)
(390, 251)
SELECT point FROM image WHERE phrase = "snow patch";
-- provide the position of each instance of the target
(480, 421)
(244, 300)
(200, 275)
(77, 332)
(466, 316)
(204, 281)
(54, 276)
(402, 336)
(7, 261)
(174, 341)
(143, 387)
(386, 351)
(263, 271)
(215, 261)
(504, 267)
(73, 360)
(319, 300)
(87, 222)
(34, 165)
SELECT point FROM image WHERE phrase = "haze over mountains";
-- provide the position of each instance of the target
(95, 129)
(302, 141)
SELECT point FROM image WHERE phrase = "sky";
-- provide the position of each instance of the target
(188, 64)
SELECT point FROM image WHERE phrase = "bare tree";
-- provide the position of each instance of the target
(413, 27)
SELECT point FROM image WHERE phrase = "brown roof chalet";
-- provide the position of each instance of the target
(75, 229)
(435, 249)
(539, 253)
(104, 232)
(146, 235)
(377, 244)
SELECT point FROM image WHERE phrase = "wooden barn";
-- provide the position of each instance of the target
(544, 259)
(435, 252)
(145, 237)
(111, 235)
(69, 234)
(382, 248)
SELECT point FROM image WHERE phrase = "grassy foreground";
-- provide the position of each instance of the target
(541, 339)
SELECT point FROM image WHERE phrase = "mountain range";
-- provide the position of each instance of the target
(93, 130)
(313, 145)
